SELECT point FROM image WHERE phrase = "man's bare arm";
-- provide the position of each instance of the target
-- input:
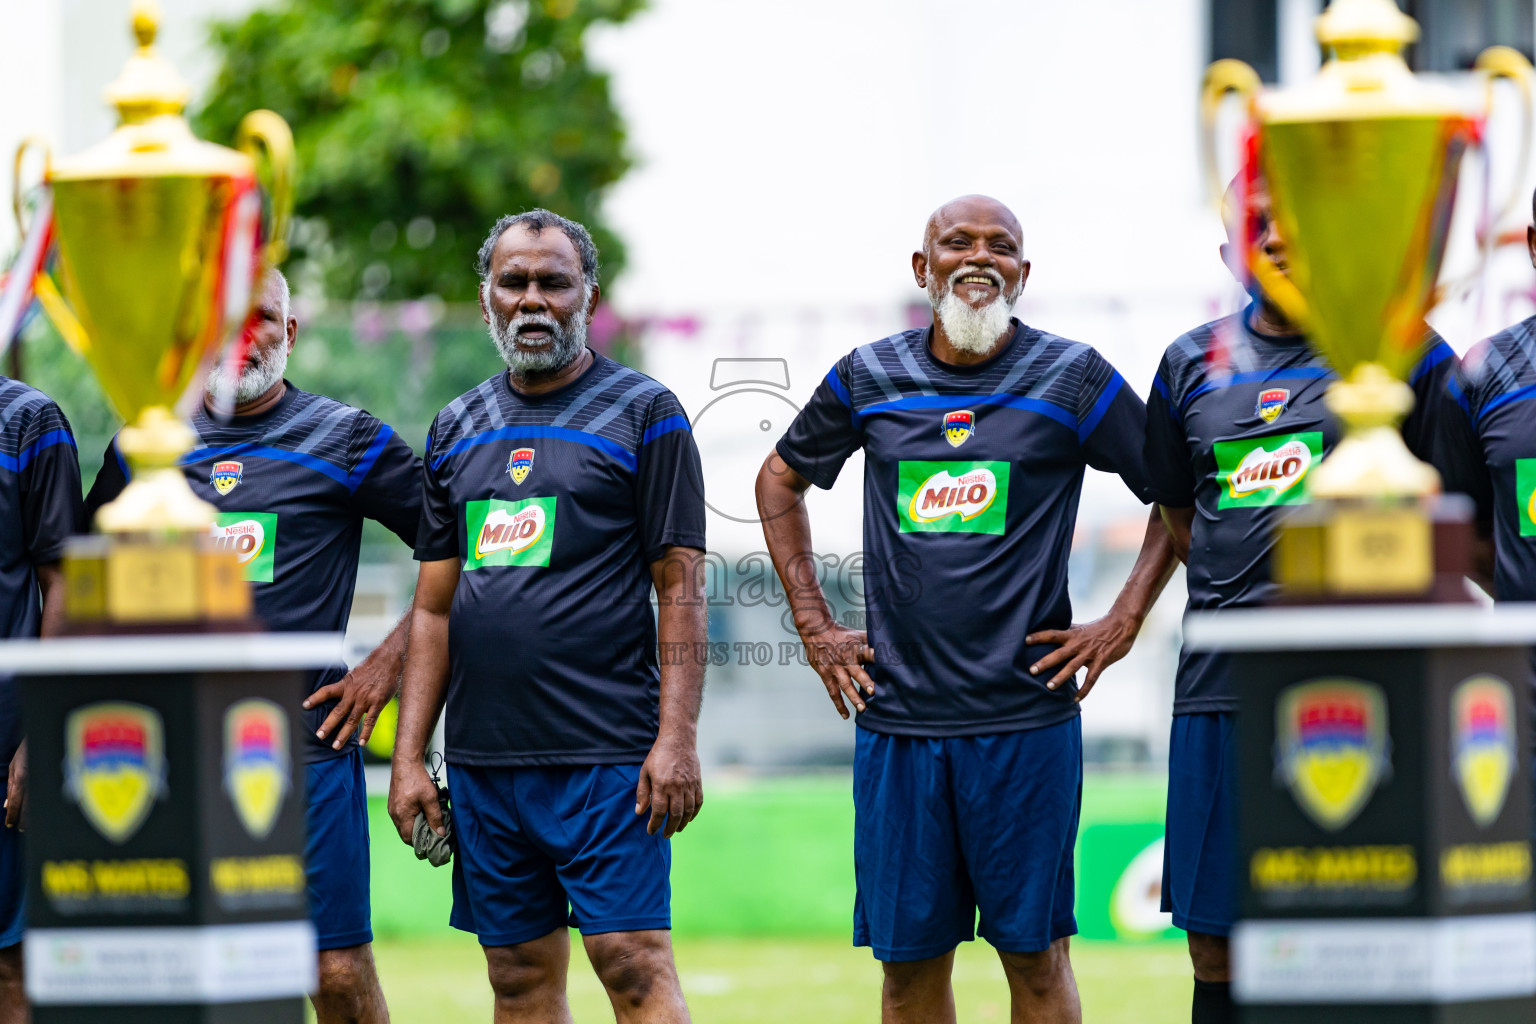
(671, 786)
(1099, 644)
(837, 654)
(422, 691)
(363, 692)
(1179, 521)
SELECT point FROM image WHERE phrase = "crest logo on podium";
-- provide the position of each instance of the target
(1483, 745)
(1272, 403)
(225, 476)
(520, 464)
(958, 426)
(1332, 747)
(256, 763)
(114, 765)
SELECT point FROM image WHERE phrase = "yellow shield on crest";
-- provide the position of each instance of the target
(1483, 745)
(256, 763)
(1332, 747)
(114, 765)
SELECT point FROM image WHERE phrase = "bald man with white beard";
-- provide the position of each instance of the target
(967, 765)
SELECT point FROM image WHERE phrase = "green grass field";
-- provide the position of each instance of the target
(769, 981)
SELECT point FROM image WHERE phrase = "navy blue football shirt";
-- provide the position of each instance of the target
(555, 506)
(292, 486)
(39, 510)
(1487, 450)
(1235, 424)
(971, 482)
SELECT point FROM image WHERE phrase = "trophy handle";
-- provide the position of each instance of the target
(1495, 63)
(264, 130)
(1222, 77)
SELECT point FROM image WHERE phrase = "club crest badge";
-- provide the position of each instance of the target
(1483, 745)
(256, 763)
(114, 765)
(1332, 747)
(1272, 403)
(958, 426)
(520, 464)
(225, 476)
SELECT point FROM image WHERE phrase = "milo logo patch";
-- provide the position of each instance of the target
(952, 497)
(252, 537)
(1267, 470)
(1525, 495)
(509, 532)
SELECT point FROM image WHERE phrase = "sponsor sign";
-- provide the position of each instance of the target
(509, 532)
(952, 497)
(1483, 752)
(145, 885)
(958, 426)
(114, 765)
(1332, 747)
(520, 464)
(1332, 875)
(256, 763)
(225, 476)
(252, 536)
(1266, 471)
(1525, 494)
(1272, 403)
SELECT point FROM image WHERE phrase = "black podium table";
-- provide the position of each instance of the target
(165, 826)
(1385, 812)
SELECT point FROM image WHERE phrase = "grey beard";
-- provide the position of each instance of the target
(970, 330)
(255, 379)
(565, 342)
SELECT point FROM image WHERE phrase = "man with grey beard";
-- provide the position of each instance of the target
(558, 496)
(293, 475)
(967, 764)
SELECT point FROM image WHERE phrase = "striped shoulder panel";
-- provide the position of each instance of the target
(313, 431)
(617, 410)
(887, 370)
(29, 420)
(1498, 370)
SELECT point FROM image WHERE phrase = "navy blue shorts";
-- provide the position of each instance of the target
(13, 886)
(543, 848)
(336, 851)
(944, 827)
(1200, 850)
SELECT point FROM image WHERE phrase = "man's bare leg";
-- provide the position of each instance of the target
(528, 980)
(918, 991)
(13, 991)
(1213, 979)
(640, 975)
(349, 988)
(1042, 986)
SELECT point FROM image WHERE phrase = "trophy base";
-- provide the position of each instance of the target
(1357, 550)
(142, 578)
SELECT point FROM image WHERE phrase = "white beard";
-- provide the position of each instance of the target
(256, 378)
(564, 343)
(971, 330)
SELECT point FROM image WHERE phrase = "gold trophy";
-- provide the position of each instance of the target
(1361, 165)
(158, 251)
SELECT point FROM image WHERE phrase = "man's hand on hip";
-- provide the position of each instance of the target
(1095, 645)
(671, 785)
(16, 790)
(360, 695)
(839, 655)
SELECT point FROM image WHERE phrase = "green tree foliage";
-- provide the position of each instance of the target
(418, 123)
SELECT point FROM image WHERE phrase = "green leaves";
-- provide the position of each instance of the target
(437, 114)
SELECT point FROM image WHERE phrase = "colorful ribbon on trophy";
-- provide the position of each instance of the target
(18, 301)
(240, 263)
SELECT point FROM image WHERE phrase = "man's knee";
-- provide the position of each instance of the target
(908, 980)
(346, 974)
(1040, 973)
(1209, 956)
(529, 971)
(10, 965)
(633, 965)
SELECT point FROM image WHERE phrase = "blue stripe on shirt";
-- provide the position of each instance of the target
(262, 451)
(1518, 395)
(665, 426)
(1434, 357)
(18, 462)
(371, 456)
(1299, 373)
(1106, 397)
(623, 455)
(836, 384)
(1063, 416)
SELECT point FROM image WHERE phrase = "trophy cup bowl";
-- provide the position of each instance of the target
(1361, 165)
(158, 252)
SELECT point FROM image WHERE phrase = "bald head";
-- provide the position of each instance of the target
(974, 210)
